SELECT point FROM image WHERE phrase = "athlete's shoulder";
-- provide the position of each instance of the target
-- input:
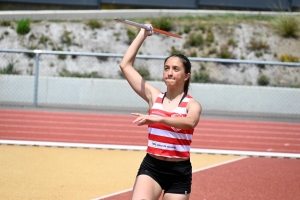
(194, 104)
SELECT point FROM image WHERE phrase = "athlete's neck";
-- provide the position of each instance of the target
(174, 96)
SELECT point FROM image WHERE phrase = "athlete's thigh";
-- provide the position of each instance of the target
(146, 188)
(170, 196)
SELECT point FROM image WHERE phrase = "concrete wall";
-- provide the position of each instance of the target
(119, 95)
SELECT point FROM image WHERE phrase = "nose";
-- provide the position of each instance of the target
(170, 72)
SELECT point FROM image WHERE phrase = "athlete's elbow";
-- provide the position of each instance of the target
(193, 124)
(189, 126)
(122, 65)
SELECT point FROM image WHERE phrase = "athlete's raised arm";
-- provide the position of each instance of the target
(138, 84)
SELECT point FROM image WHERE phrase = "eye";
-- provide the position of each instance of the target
(176, 69)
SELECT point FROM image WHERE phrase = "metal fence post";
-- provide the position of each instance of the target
(290, 5)
(99, 4)
(36, 78)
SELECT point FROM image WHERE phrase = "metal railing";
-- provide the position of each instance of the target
(104, 92)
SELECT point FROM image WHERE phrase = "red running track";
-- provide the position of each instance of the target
(118, 129)
(246, 179)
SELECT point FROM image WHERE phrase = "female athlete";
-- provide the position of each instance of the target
(171, 120)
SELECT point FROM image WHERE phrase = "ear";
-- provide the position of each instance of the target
(187, 76)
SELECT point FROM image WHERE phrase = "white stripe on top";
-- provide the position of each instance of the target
(169, 147)
(169, 134)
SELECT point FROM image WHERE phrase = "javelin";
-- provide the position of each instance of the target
(148, 28)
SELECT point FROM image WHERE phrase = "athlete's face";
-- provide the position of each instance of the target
(174, 72)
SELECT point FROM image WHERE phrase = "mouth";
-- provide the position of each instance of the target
(169, 79)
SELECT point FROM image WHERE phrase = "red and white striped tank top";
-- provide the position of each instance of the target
(167, 141)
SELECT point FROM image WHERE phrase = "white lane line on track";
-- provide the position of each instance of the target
(75, 145)
(261, 149)
(195, 171)
(143, 148)
(121, 142)
(141, 136)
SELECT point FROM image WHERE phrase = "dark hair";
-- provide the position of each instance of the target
(187, 68)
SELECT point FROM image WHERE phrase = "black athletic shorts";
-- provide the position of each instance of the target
(173, 177)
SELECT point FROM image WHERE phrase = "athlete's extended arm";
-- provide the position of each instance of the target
(138, 84)
(188, 122)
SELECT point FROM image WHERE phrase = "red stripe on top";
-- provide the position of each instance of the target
(169, 128)
(167, 153)
(169, 140)
(158, 100)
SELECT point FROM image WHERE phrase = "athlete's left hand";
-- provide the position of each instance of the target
(145, 119)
